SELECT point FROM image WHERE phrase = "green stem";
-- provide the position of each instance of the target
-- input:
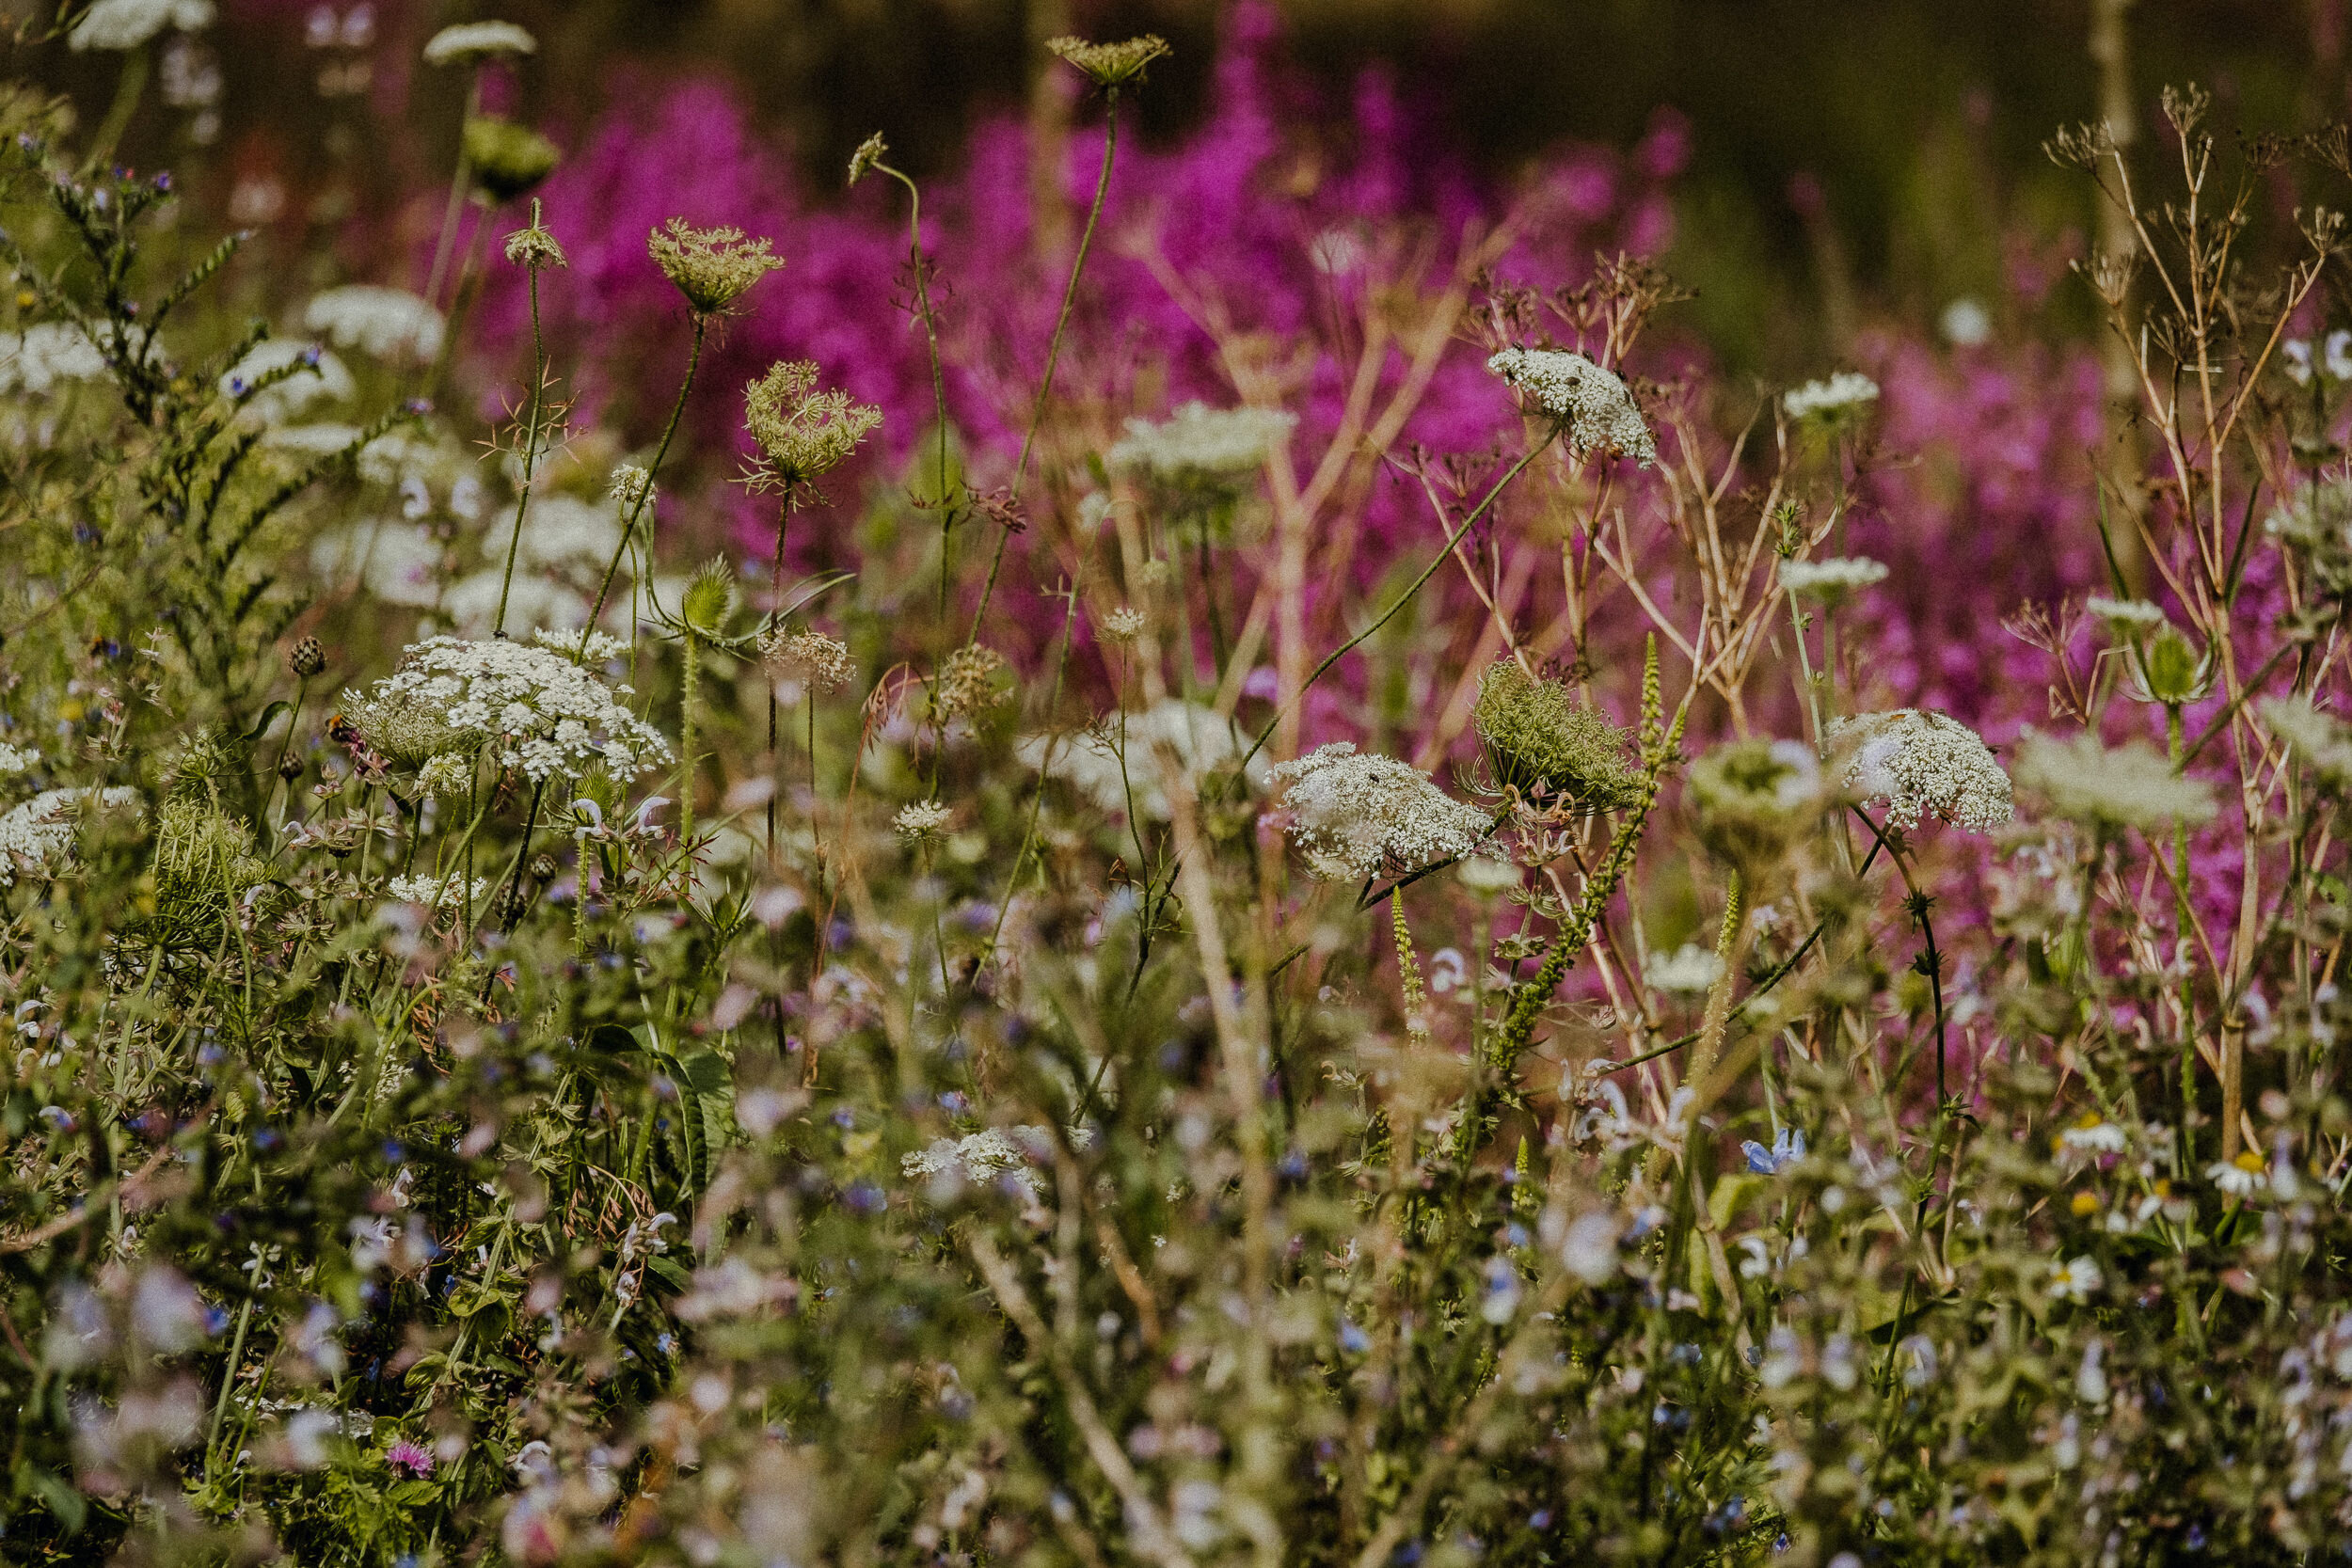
(530, 443)
(1052, 351)
(628, 524)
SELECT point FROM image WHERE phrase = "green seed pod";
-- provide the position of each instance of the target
(508, 160)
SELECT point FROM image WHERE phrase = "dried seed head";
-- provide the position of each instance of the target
(534, 247)
(870, 154)
(1541, 741)
(967, 681)
(712, 268)
(811, 657)
(1110, 65)
(801, 432)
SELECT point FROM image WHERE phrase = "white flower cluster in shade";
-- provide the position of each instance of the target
(128, 24)
(1846, 390)
(1200, 441)
(447, 892)
(35, 835)
(386, 324)
(2324, 744)
(980, 1159)
(921, 819)
(539, 711)
(1920, 765)
(324, 379)
(1354, 814)
(1600, 410)
(45, 354)
(1200, 740)
(16, 759)
(1831, 581)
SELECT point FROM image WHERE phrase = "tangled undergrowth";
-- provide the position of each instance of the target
(531, 1050)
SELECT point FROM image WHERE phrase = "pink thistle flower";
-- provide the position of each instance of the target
(415, 1458)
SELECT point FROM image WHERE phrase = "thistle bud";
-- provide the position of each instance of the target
(306, 659)
(543, 868)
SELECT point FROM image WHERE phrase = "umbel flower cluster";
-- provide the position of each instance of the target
(1594, 401)
(1924, 764)
(1355, 815)
(527, 707)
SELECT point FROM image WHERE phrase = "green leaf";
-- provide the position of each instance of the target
(269, 717)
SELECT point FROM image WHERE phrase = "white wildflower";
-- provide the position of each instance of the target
(37, 358)
(2124, 612)
(446, 893)
(1833, 580)
(2076, 1279)
(1595, 402)
(1966, 324)
(2335, 358)
(1589, 1249)
(921, 820)
(632, 487)
(128, 24)
(321, 440)
(1689, 971)
(384, 323)
(535, 709)
(469, 41)
(15, 759)
(1920, 765)
(38, 835)
(318, 376)
(559, 531)
(2095, 1135)
(1352, 816)
(2242, 1178)
(2129, 786)
(1200, 441)
(978, 1160)
(602, 648)
(1846, 390)
(400, 562)
(1124, 624)
(2322, 744)
(471, 603)
(2090, 1378)
(1200, 740)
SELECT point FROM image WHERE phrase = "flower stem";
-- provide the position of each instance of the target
(1052, 351)
(530, 446)
(628, 524)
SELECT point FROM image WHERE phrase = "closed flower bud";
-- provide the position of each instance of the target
(306, 659)
(508, 160)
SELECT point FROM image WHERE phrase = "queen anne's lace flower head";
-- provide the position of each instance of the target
(1354, 816)
(1688, 971)
(1197, 735)
(1198, 440)
(2319, 740)
(921, 820)
(2128, 786)
(1920, 765)
(128, 24)
(534, 707)
(386, 324)
(1833, 580)
(1541, 741)
(1841, 393)
(45, 354)
(39, 833)
(711, 267)
(1110, 65)
(469, 41)
(2125, 614)
(979, 1159)
(1595, 401)
(801, 432)
(446, 893)
(818, 662)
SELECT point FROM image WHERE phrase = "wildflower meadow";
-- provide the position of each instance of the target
(1186, 848)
